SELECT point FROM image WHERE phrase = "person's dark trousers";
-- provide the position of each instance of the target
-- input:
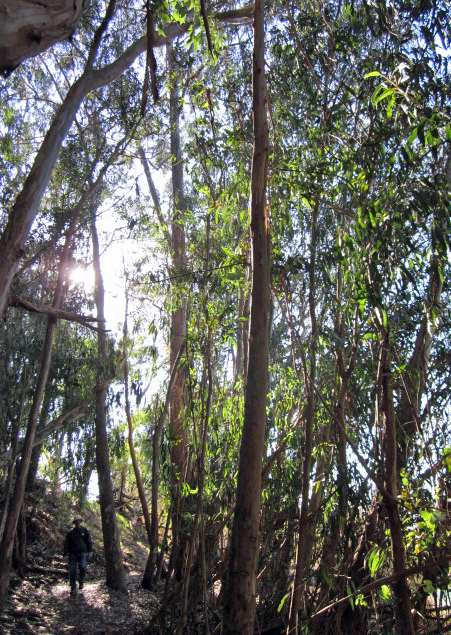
(74, 560)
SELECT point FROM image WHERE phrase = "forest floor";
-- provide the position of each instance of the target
(41, 601)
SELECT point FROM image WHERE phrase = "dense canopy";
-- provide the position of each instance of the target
(265, 190)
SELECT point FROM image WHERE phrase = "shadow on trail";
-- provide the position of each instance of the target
(43, 606)
(95, 610)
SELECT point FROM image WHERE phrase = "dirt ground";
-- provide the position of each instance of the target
(44, 605)
(41, 602)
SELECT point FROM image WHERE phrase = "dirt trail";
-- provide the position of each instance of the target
(42, 604)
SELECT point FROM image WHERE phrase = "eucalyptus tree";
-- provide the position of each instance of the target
(79, 179)
(342, 119)
(358, 196)
(7, 543)
(95, 70)
(115, 574)
(239, 599)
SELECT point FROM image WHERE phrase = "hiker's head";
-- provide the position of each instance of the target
(77, 520)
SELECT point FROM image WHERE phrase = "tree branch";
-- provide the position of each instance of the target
(376, 584)
(6, 457)
(57, 314)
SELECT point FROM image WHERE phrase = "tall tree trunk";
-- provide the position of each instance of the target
(178, 318)
(7, 544)
(304, 544)
(179, 438)
(131, 445)
(206, 388)
(205, 420)
(176, 246)
(239, 597)
(115, 576)
(401, 590)
(414, 385)
(150, 572)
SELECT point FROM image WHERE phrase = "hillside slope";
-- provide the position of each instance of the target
(40, 602)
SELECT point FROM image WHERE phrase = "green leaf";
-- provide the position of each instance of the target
(349, 592)
(413, 135)
(391, 103)
(428, 518)
(372, 74)
(327, 577)
(373, 563)
(282, 602)
(360, 600)
(387, 92)
(428, 586)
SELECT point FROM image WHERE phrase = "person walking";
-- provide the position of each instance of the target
(76, 545)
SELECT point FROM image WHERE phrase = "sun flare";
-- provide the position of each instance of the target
(81, 276)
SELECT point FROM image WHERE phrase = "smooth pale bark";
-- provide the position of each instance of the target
(7, 544)
(27, 204)
(174, 397)
(154, 195)
(239, 597)
(28, 28)
(115, 575)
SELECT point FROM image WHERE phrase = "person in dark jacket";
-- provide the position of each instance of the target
(76, 546)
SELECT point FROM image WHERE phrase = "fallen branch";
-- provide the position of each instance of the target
(58, 314)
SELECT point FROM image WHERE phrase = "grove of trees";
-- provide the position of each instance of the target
(273, 389)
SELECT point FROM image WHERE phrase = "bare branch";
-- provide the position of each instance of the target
(57, 314)
(376, 584)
